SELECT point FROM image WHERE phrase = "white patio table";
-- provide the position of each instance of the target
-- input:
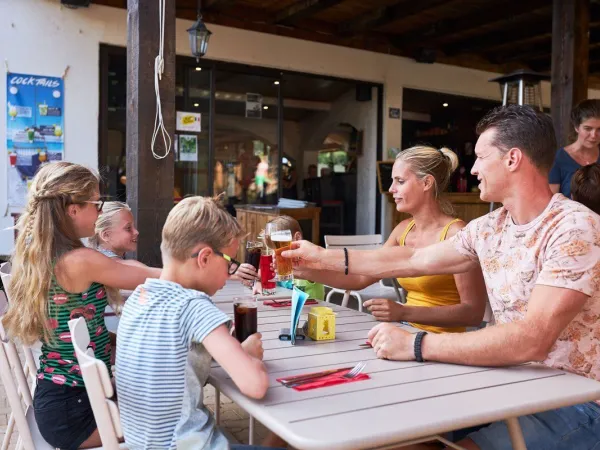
(402, 403)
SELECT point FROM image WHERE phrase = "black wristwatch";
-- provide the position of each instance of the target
(418, 341)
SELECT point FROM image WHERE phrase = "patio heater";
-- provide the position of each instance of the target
(521, 87)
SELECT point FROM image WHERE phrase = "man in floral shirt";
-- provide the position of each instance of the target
(540, 257)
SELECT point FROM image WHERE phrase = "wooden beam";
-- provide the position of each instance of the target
(217, 5)
(387, 14)
(303, 9)
(487, 15)
(570, 52)
(539, 25)
(149, 180)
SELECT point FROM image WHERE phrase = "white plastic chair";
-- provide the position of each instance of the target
(358, 242)
(99, 387)
(30, 359)
(18, 393)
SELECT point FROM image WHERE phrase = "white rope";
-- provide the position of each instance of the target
(159, 67)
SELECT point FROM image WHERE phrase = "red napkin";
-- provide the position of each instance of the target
(330, 380)
(286, 303)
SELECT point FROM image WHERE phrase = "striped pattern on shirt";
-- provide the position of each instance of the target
(159, 323)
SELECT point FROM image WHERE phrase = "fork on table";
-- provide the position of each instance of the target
(353, 373)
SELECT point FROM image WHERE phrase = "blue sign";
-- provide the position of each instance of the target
(34, 128)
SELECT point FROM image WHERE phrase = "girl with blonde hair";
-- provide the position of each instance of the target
(55, 278)
(115, 236)
(115, 231)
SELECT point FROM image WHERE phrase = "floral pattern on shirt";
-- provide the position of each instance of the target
(560, 248)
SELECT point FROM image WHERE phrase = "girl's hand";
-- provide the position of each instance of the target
(247, 274)
(384, 310)
(253, 346)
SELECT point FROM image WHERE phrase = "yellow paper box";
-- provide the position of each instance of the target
(321, 323)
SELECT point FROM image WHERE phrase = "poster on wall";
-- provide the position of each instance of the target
(188, 147)
(187, 121)
(254, 106)
(34, 129)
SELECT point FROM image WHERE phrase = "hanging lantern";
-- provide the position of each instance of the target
(199, 36)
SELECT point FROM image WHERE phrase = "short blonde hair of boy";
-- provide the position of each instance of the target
(198, 220)
(288, 222)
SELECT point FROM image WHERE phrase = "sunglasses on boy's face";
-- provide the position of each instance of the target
(233, 264)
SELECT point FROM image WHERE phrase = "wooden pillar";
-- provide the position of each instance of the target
(570, 59)
(149, 180)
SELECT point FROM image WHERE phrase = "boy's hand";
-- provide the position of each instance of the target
(253, 346)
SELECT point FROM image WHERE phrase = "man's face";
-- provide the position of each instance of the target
(490, 167)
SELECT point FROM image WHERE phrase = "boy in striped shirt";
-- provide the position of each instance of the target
(170, 330)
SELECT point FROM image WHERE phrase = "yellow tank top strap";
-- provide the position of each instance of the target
(446, 228)
(409, 227)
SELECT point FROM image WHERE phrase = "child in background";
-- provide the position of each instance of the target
(55, 278)
(115, 235)
(170, 330)
(585, 186)
(314, 290)
(115, 231)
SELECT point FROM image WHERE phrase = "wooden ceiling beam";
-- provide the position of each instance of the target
(387, 14)
(217, 5)
(484, 16)
(303, 9)
(543, 25)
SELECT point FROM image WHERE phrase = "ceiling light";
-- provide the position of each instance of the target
(265, 107)
(276, 82)
(198, 69)
(445, 105)
(196, 104)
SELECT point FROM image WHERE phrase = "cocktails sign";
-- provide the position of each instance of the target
(34, 129)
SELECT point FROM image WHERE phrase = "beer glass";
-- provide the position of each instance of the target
(280, 239)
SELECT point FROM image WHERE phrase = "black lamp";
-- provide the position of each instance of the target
(199, 36)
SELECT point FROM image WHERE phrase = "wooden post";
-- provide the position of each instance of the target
(570, 59)
(149, 180)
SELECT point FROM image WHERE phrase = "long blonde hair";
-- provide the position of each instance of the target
(106, 221)
(439, 163)
(45, 234)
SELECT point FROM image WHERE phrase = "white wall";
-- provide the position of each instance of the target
(42, 37)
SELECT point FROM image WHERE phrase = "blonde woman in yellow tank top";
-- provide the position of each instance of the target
(435, 303)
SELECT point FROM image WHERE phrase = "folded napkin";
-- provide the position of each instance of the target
(286, 303)
(329, 380)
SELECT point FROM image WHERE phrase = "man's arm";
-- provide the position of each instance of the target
(550, 311)
(386, 262)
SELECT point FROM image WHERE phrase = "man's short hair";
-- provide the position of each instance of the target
(198, 220)
(522, 127)
(585, 186)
